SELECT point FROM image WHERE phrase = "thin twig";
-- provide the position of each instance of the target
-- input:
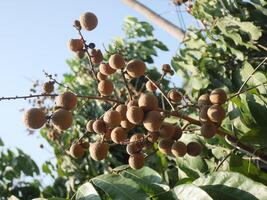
(126, 84)
(223, 160)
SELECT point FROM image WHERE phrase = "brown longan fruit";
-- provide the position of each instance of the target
(165, 146)
(153, 121)
(216, 113)
(85, 144)
(178, 149)
(133, 148)
(127, 125)
(105, 69)
(99, 126)
(62, 119)
(67, 100)
(150, 86)
(105, 87)
(122, 109)
(136, 68)
(148, 101)
(208, 130)
(166, 68)
(136, 161)
(76, 150)
(53, 135)
(135, 115)
(132, 102)
(153, 136)
(98, 150)
(112, 118)
(116, 61)
(166, 130)
(75, 45)
(48, 87)
(118, 135)
(96, 56)
(177, 133)
(218, 96)
(34, 118)
(203, 115)
(89, 125)
(88, 21)
(203, 100)
(174, 95)
(101, 76)
(194, 148)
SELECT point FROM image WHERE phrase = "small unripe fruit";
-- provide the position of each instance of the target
(203, 115)
(62, 119)
(133, 102)
(174, 96)
(118, 135)
(166, 130)
(208, 130)
(88, 21)
(76, 150)
(148, 101)
(203, 100)
(48, 87)
(178, 149)
(67, 100)
(150, 86)
(98, 151)
(165, 146)
(105, 87)
(177, 133)
(136, 68)
(101, 76)
(112, 118)
(216, 113)
(99, 126)
(116, 61)
(122, 109)
(137, 161)
(153, 136)
(218, 96)
(96, 56)
(105, 69)
(127, 125)
(153, 121)
(34, 118)
(89, 126)
(75, 45)
(194, 148)
(135, 115)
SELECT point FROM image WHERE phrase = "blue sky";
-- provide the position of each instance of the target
(33, 37)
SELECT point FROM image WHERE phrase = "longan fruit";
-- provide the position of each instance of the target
(153, 121)
(75, 45)
(118, 135)
(203, 115)
(76, 150)
(112, 118)
(105, 69)
(174, 95)
(136, 161)
(85, 144)
(132, 102)
(116, 61)
(101, 76)
(208, 130)
(148, 101)
(133, 148)
(153, 136)
(179, 149)
(136, 68)
(216, 113)
(166, 130)
(89, 125)
(53, 135)
(48, 87)
(165, 146)
(98, 150)
(105, 87)
(67, 100)
(177, 133)
(166, 68)
(62, 119)
(150, 86)
(127, 125)
(203, 100)
(194, 148)
(218, 96)
(122, 109)
(96, 56)
(34, 118)
(99, 126)
(88, 21)
(135, 115)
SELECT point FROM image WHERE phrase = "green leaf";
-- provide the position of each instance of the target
(190, 191)
(1, 142)
(87, 192)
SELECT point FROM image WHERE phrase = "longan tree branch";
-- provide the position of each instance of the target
(126, 84)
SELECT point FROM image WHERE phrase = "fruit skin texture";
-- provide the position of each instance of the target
(116, 61)
(105, 87)
(218, 96)
(127, 125)
(178, 149)
(203, 100)
(98, 151)
(89, 126)
(136, 161)
(34, 118)
(177, 133)
(96, 56)
(99, 126)
(194, 148)
(216, 113)
(165, 146)
(203, 115)
(112, 118)
(133, 102)
(122, 109)
(148, 101)
(67, 100)
(88, 21)
(150, 86)
(76, 150)
(48, 87)
(105, 69)
(101, 76)
(118, 135)
(75, 45)
(166, 130)
(153, 121)
(136, 68)
(135, 115)
(133, 148)
(62, 119)
(153, 136)
(174, 96)
(208, 130)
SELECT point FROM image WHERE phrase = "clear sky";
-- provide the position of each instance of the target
(33, 37)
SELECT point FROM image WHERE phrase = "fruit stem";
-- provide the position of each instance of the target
(126, 84)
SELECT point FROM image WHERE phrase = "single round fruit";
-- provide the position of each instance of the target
(118, 135)
(105, 87)
(133, 148)
(67, 100)
(132, 102)
(218, 96)
(99, 126)
(53, 135)
(62, 119)
(75, 45)
(203, 100)
(208, 130)
(98, 150)
(178, 149)
(96, 56)
(216, 113)
(203, 115)
(148, 101)
(48, 87)
(122, 109)
(127, 125)
(112, 118)
(174, 95)
(89, 125)
(165, 146)
(135, 115)
(136, 68)
(76, 150)
(105, 69)
(34, 118)
(194, 148)
(88, 21)
(153, 121)
(177, 133)
(136, 161)
(116, 61)
(166, 130)
(166, 68)
(101, 76)
(150, 86)
(153, 136)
